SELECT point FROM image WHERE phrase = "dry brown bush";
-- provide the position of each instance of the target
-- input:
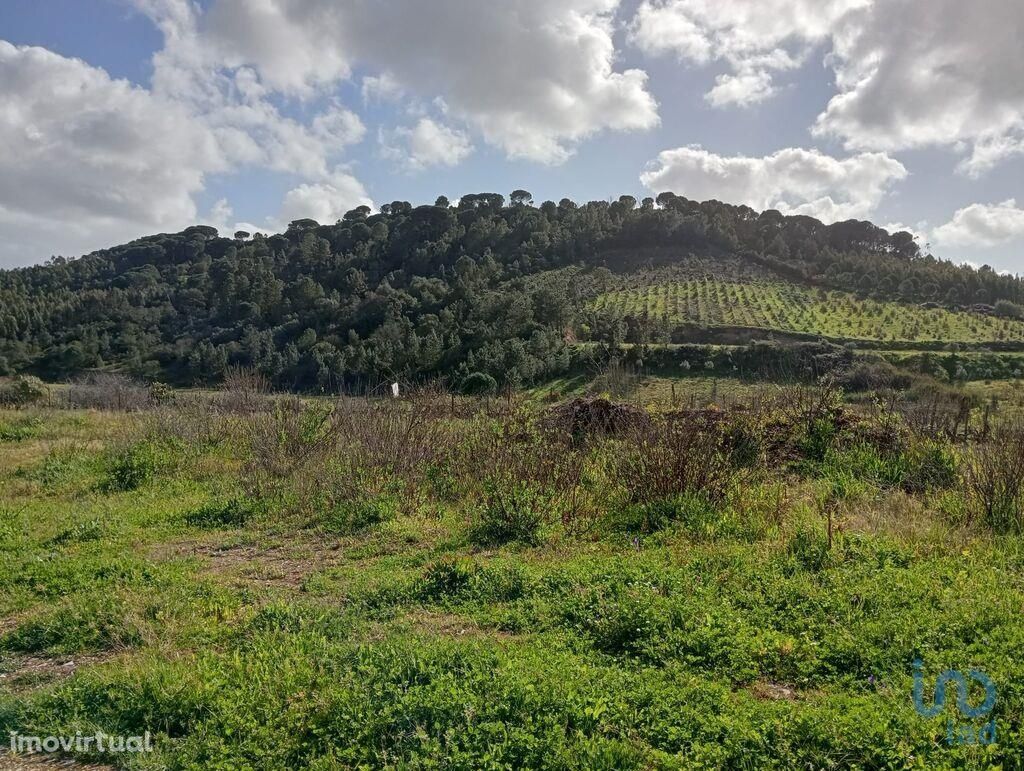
(993, 475)
(675, 455)
(244, 391)
(108, 391)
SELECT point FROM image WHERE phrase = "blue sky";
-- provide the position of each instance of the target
(125, 117)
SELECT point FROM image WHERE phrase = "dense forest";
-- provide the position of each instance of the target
(432, 291)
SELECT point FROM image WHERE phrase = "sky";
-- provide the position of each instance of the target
(122, 118)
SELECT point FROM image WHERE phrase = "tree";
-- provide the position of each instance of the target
(521, 198)
(479, 384)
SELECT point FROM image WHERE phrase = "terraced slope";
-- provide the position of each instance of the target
(792, 308)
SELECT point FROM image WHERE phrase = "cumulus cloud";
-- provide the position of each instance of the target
(983, 225)
(756, 39)
(326, 202)
(909, 73)
(89, 160)
(794, 181)
(534, 78)
(426, 144)
(913, 73)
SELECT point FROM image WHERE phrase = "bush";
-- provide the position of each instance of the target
(692, 510)
(235, 512)
(133, 466)
(23, 390)
(445, 579)
(479, 384)
(351, 516)
(513, 510)
(80, 532)
(1008, 310)
(673, 456)
(994, 480)
(20, 429)
(109, 391)
(930, 465)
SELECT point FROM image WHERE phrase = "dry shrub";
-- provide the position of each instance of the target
(583, 418)
(22, 391)
(936, 410)
(993, 476)
(518, 462)
(197, 422)
(338, 461)
(397, 437)
(244, 391)
(672, 456)
(108, 391)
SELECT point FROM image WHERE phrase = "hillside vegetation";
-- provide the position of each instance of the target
(793, 308)
(449, 291)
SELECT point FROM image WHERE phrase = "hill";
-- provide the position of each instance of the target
(501, 288)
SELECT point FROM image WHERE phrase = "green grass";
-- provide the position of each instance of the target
(792, 308)
(245, 638)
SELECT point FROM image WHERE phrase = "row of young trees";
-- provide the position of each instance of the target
(415, 292)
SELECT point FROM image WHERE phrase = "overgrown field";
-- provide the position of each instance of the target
(794, 308)
(274, 583)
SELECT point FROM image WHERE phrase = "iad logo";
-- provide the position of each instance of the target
(956, 733)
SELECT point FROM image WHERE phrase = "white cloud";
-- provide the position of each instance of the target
(755, 38)
(533, 77)
(325, 202)
(381, 88)
(983, 225)
(426, 144)
(913, 73)
(909, 73)
(88, 160)
(743, 89)
(794, 181)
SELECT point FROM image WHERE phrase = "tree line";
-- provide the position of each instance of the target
(450, 290)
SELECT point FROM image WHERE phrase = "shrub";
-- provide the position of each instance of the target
(479, 384)
(994, 480)
(234, 512)
(133, 466)
(89, 622)
(809, 549)
(20, 429)
(512, 510)
(930, 465)
(692, 510)
(23, 390)
(1008, 310)
(351, 516)
(80, 532)
(673, 456)
(445, 579)
(108, 391)
(160, 393)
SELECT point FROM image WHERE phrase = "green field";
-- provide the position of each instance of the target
(394, 585)
(792, 308)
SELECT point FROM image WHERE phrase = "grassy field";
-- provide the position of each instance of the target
(792, 308)
(214, 578)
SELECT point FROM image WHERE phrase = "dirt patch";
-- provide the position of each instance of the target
(774, 692)
(30, 671)
(10, 762)
(281, 565)
(434, 624)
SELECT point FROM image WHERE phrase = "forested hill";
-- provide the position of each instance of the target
(418, 292)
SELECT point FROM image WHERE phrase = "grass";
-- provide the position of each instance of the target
(387, 634)
(792, 308)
